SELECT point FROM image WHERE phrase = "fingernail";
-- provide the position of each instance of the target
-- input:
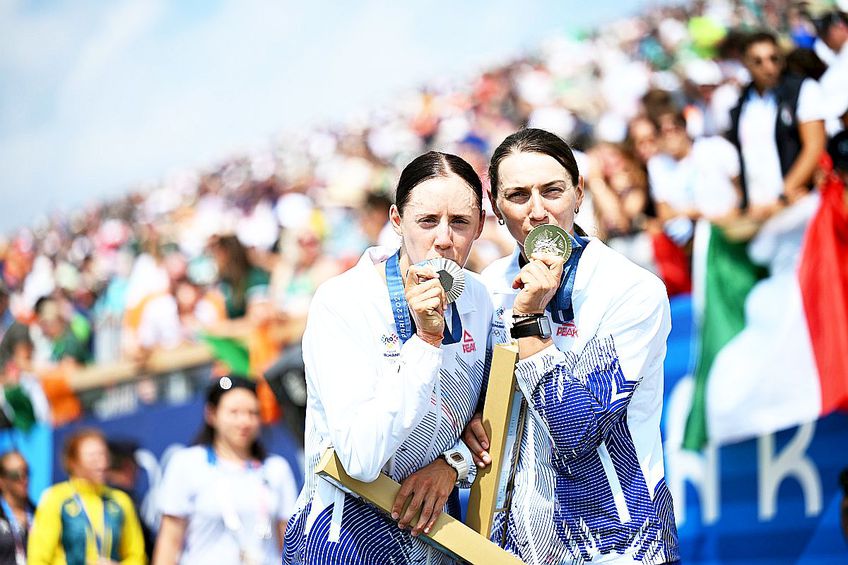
(485, 445)
(426, 530)
(394, 515)
(486, 458)
(481, 464)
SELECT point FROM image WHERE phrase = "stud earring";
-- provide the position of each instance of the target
(501, 221)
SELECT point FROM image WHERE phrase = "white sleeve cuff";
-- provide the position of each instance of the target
(416, 351)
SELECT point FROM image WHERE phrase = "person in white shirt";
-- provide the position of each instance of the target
(393, 375)
(591, 331)
(777, 128)
(708, 114)
(692, 179)
(832, 30)
(225, 500)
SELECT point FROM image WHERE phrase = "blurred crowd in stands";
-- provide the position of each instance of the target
(236, 251)
(658, 105)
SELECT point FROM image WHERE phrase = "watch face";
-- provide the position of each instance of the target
(545, 327)
(457, 457)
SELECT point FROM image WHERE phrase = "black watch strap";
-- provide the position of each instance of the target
(531, 326)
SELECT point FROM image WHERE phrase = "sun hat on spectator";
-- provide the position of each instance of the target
(703, 72)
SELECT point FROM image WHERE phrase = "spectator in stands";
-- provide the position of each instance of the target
(777, 128)
(123, 474)
(373, 218)
(22, 399)
(16, 509)
(194, 307)
(641, 139)
(241, 284)
(711, 99)
(302, 267)
(619, 189)
(151, 318)
(6, 317)
(82, 521)
(692, 179)
(246, 340)
(66, 341)
(832, 29)
(225, 500)
(805, 63)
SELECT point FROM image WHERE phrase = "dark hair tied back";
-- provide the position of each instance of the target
(532, 140)
(431, 165)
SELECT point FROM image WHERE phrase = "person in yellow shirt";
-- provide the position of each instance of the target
(82, 521)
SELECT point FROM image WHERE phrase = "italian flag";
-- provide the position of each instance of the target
(773, 322)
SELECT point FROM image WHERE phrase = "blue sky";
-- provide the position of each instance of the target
(99, 96)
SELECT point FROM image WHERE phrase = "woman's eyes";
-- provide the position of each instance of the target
(240, 412)
(429, 222)
(522, 196)
(518, 197)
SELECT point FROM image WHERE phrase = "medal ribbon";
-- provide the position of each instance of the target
(229, 514)
(560, 306)
(400, 309)
(98, 540)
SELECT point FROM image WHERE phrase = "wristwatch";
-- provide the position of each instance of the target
(537, 325)
(456, 459)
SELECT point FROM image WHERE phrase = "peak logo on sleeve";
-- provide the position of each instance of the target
(567, 329)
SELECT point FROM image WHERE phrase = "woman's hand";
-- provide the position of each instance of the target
(429, 488)
(477, 440)
(427, 302)
(538, 280)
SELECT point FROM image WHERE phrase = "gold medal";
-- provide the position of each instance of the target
(548, 238)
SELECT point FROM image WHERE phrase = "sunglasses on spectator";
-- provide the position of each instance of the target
(760, 61)
(16, 475)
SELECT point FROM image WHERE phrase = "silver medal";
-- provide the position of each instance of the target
(451, 276)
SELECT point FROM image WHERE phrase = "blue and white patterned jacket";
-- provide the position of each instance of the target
(590, 484)
(383, 406)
